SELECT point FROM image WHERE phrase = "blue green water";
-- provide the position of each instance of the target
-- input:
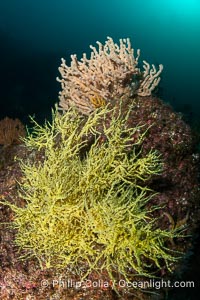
(35, 34)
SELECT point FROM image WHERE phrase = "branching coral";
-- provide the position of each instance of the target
(111, 73)
(11, 130)
(91, 211)
(150, 79)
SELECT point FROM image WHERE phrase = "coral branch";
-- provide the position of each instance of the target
(110, 73)
(11, 131)
(150, 79)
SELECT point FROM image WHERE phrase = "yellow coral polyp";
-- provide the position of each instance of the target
(90, 211)
(97, 101)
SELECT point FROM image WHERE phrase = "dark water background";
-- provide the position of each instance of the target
(35, 34)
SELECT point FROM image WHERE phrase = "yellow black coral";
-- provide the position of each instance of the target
(90, 211)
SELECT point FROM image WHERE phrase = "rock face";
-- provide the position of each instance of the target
(178, 185)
